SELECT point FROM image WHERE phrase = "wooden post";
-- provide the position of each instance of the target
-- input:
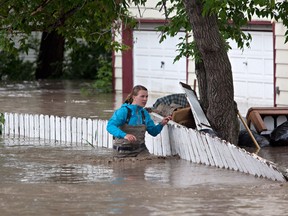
(249, 131)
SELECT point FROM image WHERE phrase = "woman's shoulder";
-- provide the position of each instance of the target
(122, 109)
(146, 113)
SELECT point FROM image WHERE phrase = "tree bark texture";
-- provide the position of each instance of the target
(51, 55)
(217, 80)
(202, 83)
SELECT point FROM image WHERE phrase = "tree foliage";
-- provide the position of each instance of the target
(232, 16)
(212, 23)
(90, 20)
(95, 21)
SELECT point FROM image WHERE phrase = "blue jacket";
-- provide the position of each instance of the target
(119, 118)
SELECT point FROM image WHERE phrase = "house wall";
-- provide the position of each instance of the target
(118, 65)
(147, 14)
(32, 54)
(150, 14)
(281, 66)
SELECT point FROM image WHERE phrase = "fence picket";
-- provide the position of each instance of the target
(52, 128)
(89, 131)
(46, 127)
(32, 126)
(57, 129)
(68, 130)
(79, 130)
(63, 129)
(95, 132)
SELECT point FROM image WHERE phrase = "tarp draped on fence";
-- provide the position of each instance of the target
(189, 144)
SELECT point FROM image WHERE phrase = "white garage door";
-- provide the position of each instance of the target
(252, 68)
(153, 62)
(253, 71)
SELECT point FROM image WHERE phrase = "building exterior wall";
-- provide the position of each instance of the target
(151, 14)
(146, 14)
(281, 66)
(117, 67)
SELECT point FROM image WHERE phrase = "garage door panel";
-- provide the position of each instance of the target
(238, 65)
(173, 85)
(153, 62)
(268, 68)
(253, 70)
(240, 89)
(255, 66)
(141, 80)
(233, 46)
(144, 65)
(171, 43)
(156, 84)
(257, 41)
(267, 44)
(163, 63)
(268, 88)
(255, 90)
(260, 90)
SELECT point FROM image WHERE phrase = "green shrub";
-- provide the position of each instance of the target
(103, 82)
(83, 61)
(13, 68)
(2, 121)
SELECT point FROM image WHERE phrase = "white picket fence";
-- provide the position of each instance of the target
(202, 148)
(189, 144)
(58, 129)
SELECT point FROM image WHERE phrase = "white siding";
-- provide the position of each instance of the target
(281, 63)
(281, 53)
(147, 12)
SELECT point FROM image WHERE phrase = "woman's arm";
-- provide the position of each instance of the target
(153, 129)
(118, 119)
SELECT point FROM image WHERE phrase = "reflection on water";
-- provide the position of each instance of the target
(37, 173)
(59, 98)
(70, 173)
(36, 161)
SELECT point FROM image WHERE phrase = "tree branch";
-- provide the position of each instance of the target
(40, 7)
(61, 20)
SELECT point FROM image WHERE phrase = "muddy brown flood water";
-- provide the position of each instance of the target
(42, 178)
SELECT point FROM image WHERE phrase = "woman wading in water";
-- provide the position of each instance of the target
(129, 123)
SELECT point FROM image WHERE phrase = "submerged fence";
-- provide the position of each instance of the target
(202, 148)
(58, 129)
(189, 144)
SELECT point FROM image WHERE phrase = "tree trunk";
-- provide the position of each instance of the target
(202, 83)
(221, 110)
(51, 55)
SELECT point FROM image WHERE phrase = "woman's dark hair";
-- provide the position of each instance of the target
(134, 92)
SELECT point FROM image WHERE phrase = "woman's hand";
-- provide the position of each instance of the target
(130, 138)
(165, 120)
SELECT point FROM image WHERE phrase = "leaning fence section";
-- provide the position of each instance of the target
(175, 139)
(202, 148)
(58, 129)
